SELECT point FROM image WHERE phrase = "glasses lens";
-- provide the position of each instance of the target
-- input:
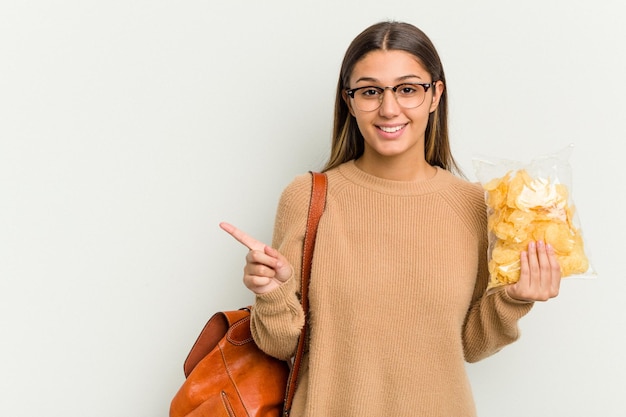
(410, 96)
(368, 98)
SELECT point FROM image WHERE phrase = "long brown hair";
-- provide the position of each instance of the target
(347, 140)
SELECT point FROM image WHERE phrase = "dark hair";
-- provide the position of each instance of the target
(347, 140)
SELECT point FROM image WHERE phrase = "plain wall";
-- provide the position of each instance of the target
(130, 129)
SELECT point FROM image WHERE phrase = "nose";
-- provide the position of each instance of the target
(389, 106)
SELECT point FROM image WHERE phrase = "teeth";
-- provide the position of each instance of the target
(390, 129)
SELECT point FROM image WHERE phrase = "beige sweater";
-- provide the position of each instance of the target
(397, 297)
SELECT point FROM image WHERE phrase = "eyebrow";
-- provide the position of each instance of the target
(374, 80)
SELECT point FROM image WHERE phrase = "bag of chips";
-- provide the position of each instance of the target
(531, 202)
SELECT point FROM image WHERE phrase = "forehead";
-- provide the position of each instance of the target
(388, 66)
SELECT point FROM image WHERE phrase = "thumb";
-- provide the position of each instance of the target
(283, 268)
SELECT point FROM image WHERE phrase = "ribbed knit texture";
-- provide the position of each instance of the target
(397, 297)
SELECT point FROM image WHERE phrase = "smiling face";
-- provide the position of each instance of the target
(392, 131)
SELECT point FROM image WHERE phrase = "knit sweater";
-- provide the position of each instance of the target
(397, 296)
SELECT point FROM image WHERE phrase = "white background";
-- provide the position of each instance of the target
(130, 129)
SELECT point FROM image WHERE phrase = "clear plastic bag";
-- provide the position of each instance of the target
(531, 202)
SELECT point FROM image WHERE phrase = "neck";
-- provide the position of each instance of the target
(396, 170)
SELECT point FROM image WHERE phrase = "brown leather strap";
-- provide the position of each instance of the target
(316, 208)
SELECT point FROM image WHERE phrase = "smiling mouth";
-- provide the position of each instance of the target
(391, 129)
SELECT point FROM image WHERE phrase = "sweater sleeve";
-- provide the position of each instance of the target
(492, 320)
(491, 324)
(277, 316)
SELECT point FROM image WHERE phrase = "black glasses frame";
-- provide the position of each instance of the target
(351, 91)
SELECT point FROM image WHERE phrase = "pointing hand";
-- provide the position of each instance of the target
(266, 269)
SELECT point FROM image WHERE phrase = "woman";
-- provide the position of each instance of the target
(397, 293)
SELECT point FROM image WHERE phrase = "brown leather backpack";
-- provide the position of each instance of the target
(228, 375)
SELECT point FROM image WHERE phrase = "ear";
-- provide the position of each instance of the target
(437, 92)
(348, 102)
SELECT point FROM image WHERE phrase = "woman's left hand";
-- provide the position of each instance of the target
(540, 274)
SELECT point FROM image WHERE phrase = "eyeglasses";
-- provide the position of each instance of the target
(408, 95)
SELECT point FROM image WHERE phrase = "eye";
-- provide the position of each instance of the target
(406, 90)
(370, 92)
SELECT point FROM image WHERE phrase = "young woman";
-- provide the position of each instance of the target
(397, 293)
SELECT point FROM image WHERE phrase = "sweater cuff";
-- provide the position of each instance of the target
(279, 300)
(506, 297)
(509, 308)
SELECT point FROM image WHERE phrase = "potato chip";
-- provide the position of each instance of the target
(503, 255)
(560, 237)
(497, 191)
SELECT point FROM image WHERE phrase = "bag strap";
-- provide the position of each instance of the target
(316, 208)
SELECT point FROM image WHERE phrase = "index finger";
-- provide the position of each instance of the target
(242, 237)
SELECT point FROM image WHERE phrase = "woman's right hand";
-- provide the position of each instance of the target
(266, 269)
